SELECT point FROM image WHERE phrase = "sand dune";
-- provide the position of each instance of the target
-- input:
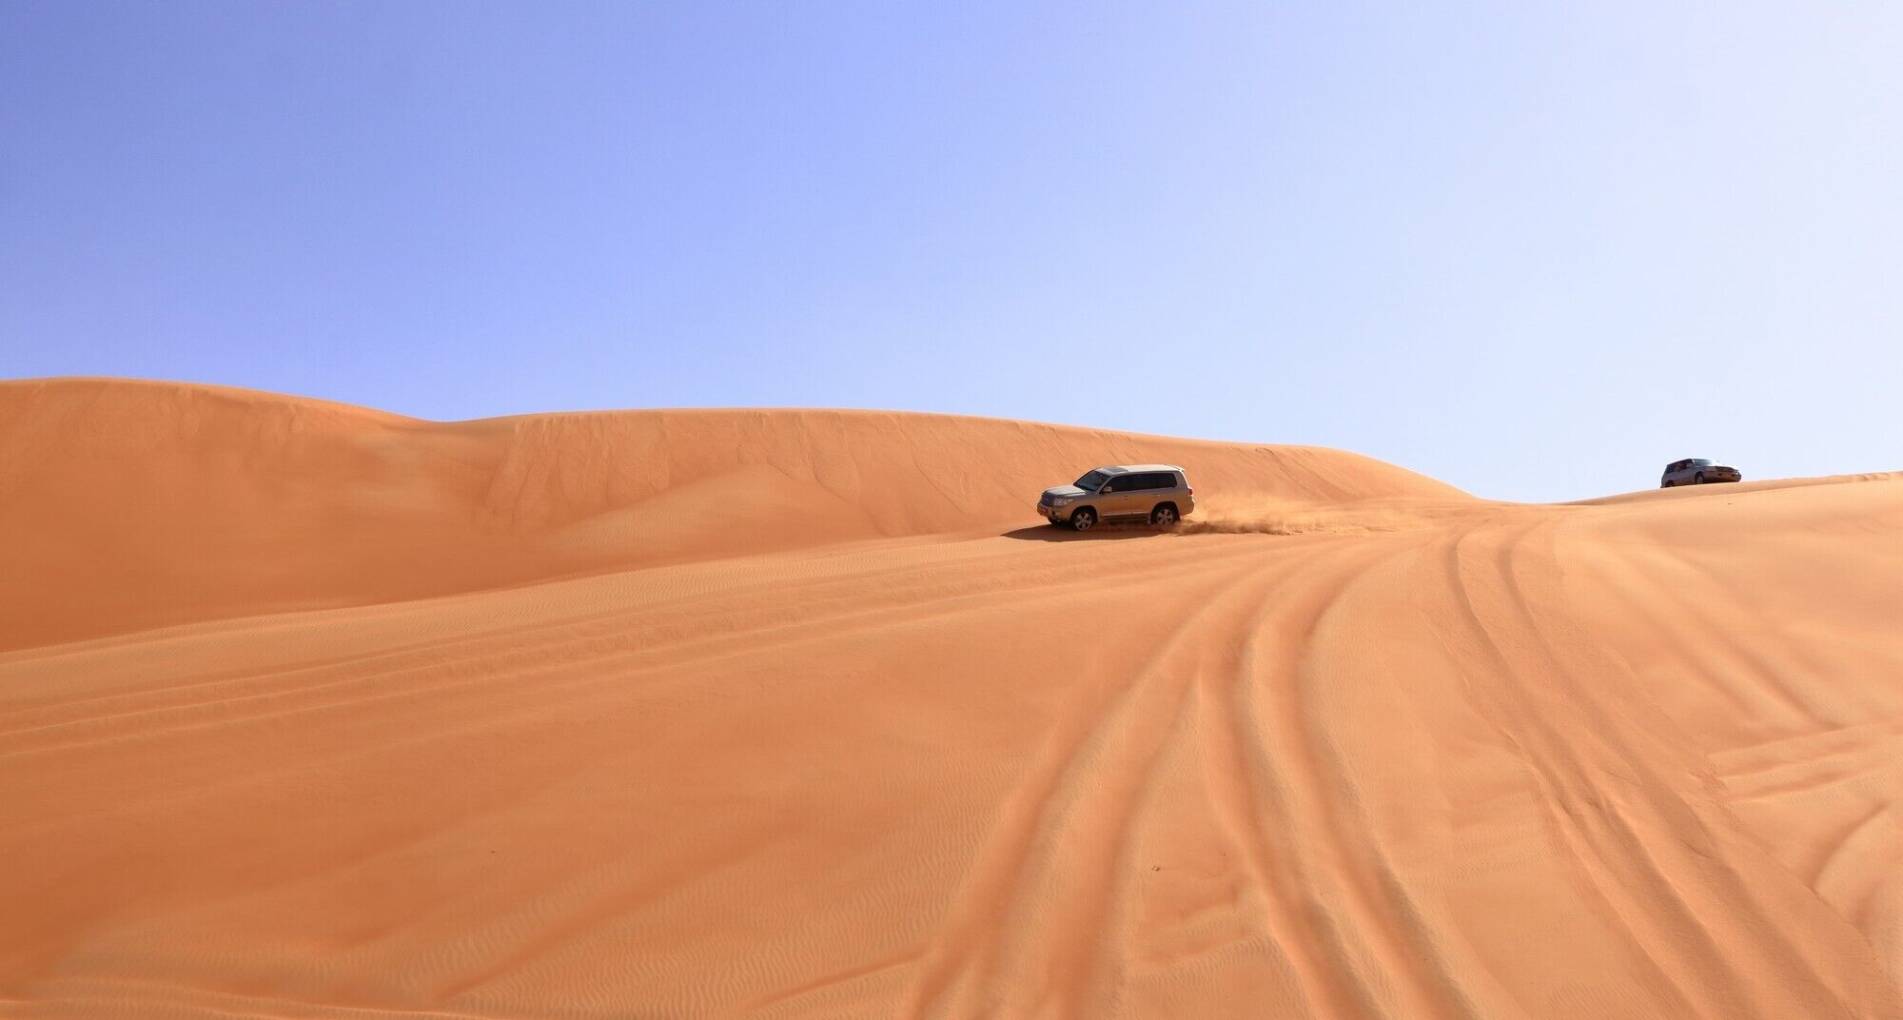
(311, 711)
(143, 504)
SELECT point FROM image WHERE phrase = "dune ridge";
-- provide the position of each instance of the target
(313, 711)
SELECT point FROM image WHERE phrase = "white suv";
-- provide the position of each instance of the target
(1157, 493)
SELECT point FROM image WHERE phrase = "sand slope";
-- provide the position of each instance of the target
(793, 714)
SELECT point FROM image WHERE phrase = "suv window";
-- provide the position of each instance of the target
(1145, 480)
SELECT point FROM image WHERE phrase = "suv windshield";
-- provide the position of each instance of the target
(1092, 481)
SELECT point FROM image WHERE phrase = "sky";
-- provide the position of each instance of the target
(1535, 250)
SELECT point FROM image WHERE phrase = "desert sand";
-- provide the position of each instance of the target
(308, 710)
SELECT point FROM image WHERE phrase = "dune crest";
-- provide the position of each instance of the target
(795, 714)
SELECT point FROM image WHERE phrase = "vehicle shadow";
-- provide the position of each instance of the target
(1102, 532)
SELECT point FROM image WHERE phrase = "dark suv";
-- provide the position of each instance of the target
(1697, 471)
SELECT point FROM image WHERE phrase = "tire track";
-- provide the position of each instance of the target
(1072, 816)
(585, 661)
(1544, 757)
(1386, 923)
(1264, 815)
(585, 633)
(1659, 795)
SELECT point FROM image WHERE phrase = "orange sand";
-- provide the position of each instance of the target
(313, 711)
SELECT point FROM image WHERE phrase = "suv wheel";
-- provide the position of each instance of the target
(1163, 516)
(1083, 520)
(1699, 478)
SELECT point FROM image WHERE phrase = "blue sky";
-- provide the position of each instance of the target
(1534, 251)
